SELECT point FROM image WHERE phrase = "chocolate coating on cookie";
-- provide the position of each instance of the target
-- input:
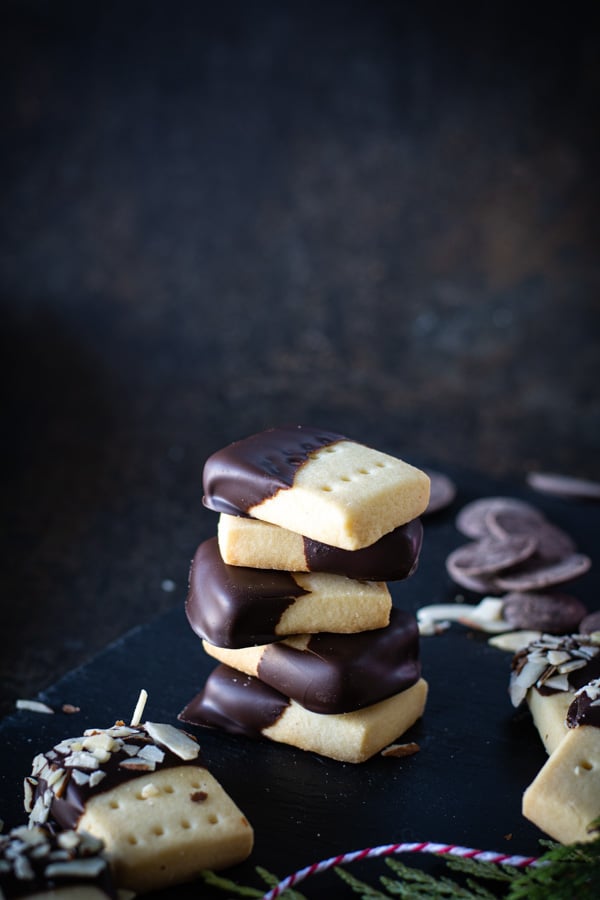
(341, 673)
(585, 707)
(235, 606)
(392, 558)
(34, 861)
(239, 704)
(252, 470)
(66, 777)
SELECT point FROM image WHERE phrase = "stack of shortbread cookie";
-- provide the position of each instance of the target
(291, 597)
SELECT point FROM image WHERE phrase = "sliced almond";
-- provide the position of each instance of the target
(175, 740)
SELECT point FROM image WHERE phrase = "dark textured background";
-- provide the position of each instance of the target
(378, 217)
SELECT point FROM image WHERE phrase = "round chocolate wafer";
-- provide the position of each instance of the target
(550, 613)
(442, 491)
(590, 623)
(535, 574)
(564, 486)
(491, 555)
(479, 584)
(553, 544)
(472, 519)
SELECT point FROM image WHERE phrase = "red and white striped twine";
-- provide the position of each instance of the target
(391, 849)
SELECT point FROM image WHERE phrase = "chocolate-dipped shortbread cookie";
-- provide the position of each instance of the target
(564, 798)
(250, 542)
(145, 792)
(316, 483)
(242, 704)
(237, 606)
(35, 863)
(331, 673)
(546, 674)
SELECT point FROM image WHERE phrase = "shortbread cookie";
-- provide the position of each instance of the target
(250, 542)
(245, 705)
(317, 483)
(331, 673)
(547, 673)
(234, 606)
(35, 863)
(145, 792)
(564, 799)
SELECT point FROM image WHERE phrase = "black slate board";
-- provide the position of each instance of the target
(464, 786)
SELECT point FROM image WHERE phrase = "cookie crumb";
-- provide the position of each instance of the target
(401, 749)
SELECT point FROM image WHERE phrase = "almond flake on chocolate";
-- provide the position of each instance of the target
(121, 731)
(82, 760)
(40, 811)
(23, 869)
(175, 740)
(76, 868)
(28, 786)
(68, 840)
(101, 741)
(153, 753)
(557, 682)
(38, 764)
(135, 764)
(56, 775)
(572, 666)
(96, 778)
(80, 777)
(130, 749)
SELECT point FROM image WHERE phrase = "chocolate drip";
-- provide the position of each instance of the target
(341, 673)
(392, 558)
(582, 712)
(239, 704)
(235, 606)
(246, 473)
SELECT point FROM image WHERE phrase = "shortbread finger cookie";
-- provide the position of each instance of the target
(245, 705)
(331, 673)
(145, 792)
(564, 799)
(547, 673)
(235, 606)
(317, 483)
(35, 863)
(250, 542)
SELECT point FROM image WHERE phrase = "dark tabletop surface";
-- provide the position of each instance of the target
(376, 217)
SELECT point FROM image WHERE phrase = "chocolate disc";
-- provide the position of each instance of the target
(550, 613)
(479, 584)
(442, 492)
(472, 519)
(534, 574)
(553, 544)
(490, 555)
(564, 486)
(590, 623)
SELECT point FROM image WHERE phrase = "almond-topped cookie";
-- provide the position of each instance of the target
(564, 798)
(146, 793)
(547, 673)
(68, 866)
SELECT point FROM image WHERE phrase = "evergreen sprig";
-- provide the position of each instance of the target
(563, 872)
